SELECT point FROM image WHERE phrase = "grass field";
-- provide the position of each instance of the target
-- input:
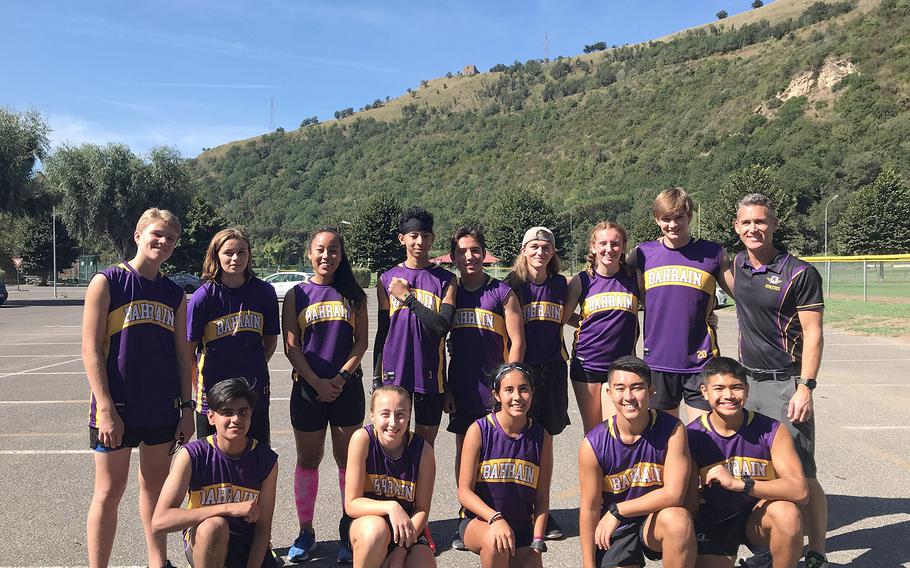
(869, 318)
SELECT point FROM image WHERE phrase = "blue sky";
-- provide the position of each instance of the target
(195, 74)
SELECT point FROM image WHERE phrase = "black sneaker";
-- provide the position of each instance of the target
(815, 560)
(457, 543)
(554, 531)
(761, 559)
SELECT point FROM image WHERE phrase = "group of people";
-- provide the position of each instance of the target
(488, 353)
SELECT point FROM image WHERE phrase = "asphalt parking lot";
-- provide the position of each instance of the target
(46, 467)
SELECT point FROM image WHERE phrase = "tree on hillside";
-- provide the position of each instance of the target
(371, 238)
(31, 237)
(876, 218)
(104, 190)
(757, 4)
(200, 224)
(722, 15)
(598, 46)
(718, 214)
(23, 141)
(513, 212)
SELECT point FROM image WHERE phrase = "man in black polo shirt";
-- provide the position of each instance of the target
(779, 306)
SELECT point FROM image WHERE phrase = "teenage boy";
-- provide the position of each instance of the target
(779, 306)
(678, 275)
(416, 305)
(230, 481)
(749, 474)
(634, 469)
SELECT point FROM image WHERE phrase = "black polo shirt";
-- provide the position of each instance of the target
(767, 301)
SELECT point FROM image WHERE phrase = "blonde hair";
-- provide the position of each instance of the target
(591, 258)
(672, 200)
(155, 215)
(211, 266)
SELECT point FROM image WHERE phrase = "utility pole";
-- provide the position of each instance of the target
(546, 46)
(271, 114)
(54, 230)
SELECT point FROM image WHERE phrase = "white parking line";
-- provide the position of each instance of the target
(39, 368)
(875, 427)
(29, 344)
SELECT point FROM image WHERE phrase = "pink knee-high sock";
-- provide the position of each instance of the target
(342, 476)
(306, 484)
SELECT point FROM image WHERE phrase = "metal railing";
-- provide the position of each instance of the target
(870, 277)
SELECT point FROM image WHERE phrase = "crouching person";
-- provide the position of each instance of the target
(749, 475)
(230, 480)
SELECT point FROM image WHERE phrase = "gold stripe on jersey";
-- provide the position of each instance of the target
(221, 493)
(542, 311)
(642, 474)
(508, 470)
(674, 275)
(611, 429)
(200, 382)
(232, 324)
(480, 319)
(319, 312)
(428, 299)
(606, 301)
(140, 312)
(756, 468)
(388, 486)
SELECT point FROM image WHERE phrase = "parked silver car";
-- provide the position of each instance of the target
(188, 282)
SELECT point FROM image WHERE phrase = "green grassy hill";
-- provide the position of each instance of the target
(601, 133)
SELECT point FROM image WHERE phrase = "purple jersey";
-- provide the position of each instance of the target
(142, 372)
(413, 357)
(327, 320)
(229, 324)
(509, 470)
(608, 328)
(541, 309)
(679, 296)
(217, 478)
(390, 479)
(479, 343)
(631, 470)
(748, 451)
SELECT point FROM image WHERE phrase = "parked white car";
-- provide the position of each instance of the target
(284, 281)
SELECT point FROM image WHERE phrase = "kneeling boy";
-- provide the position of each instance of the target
(633, 469)
(230, 479)
(750, 476)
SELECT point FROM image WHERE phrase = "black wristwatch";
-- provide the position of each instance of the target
(187, 404)
(614, 510)
(748, 484)
(345, 374)
(810, 383)
(408, 298)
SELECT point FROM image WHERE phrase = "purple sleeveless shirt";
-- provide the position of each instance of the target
(479, 343)
(679, 296)
(326, 320)
(631, 470)
(413, 357)
(541, 308)
(390, 479)
(608, 328)
(229, 324)
(142, 372)
(509, 470)
(746, 451)
(218, 479)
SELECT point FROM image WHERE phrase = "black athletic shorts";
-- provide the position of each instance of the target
(627, 548)
(674, 387)
(524, 532)
(428, 408)
(720, 537)
(461, 421)
(238, 553)
(551, 399)
(311, 415)
(259, 427)
(133, 436)
(581, 375)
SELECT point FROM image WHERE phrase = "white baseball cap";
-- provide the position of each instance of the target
(539, 234)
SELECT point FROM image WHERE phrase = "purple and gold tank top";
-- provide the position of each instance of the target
(746, 452)
(142, 372)
(479, 343)
(608, 328)
(413, 357)
(541, 309)
(327, 321)
(679, 296)
(390, 479)
(631, 470)
(509, 470)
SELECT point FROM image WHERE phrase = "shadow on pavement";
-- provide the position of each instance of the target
(49, 302)
(887, 545)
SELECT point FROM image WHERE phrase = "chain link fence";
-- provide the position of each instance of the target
(867, 278)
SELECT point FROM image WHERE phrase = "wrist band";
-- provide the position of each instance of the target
(496, 516)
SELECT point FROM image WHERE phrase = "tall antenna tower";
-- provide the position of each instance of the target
(546, 46)
(271, 114)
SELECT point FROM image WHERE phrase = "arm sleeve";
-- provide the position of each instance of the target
(382, 331)
(440, 323)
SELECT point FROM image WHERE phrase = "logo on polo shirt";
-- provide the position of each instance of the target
(774, 282)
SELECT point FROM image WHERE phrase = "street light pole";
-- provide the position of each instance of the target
(54, 230)
(828, 262)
